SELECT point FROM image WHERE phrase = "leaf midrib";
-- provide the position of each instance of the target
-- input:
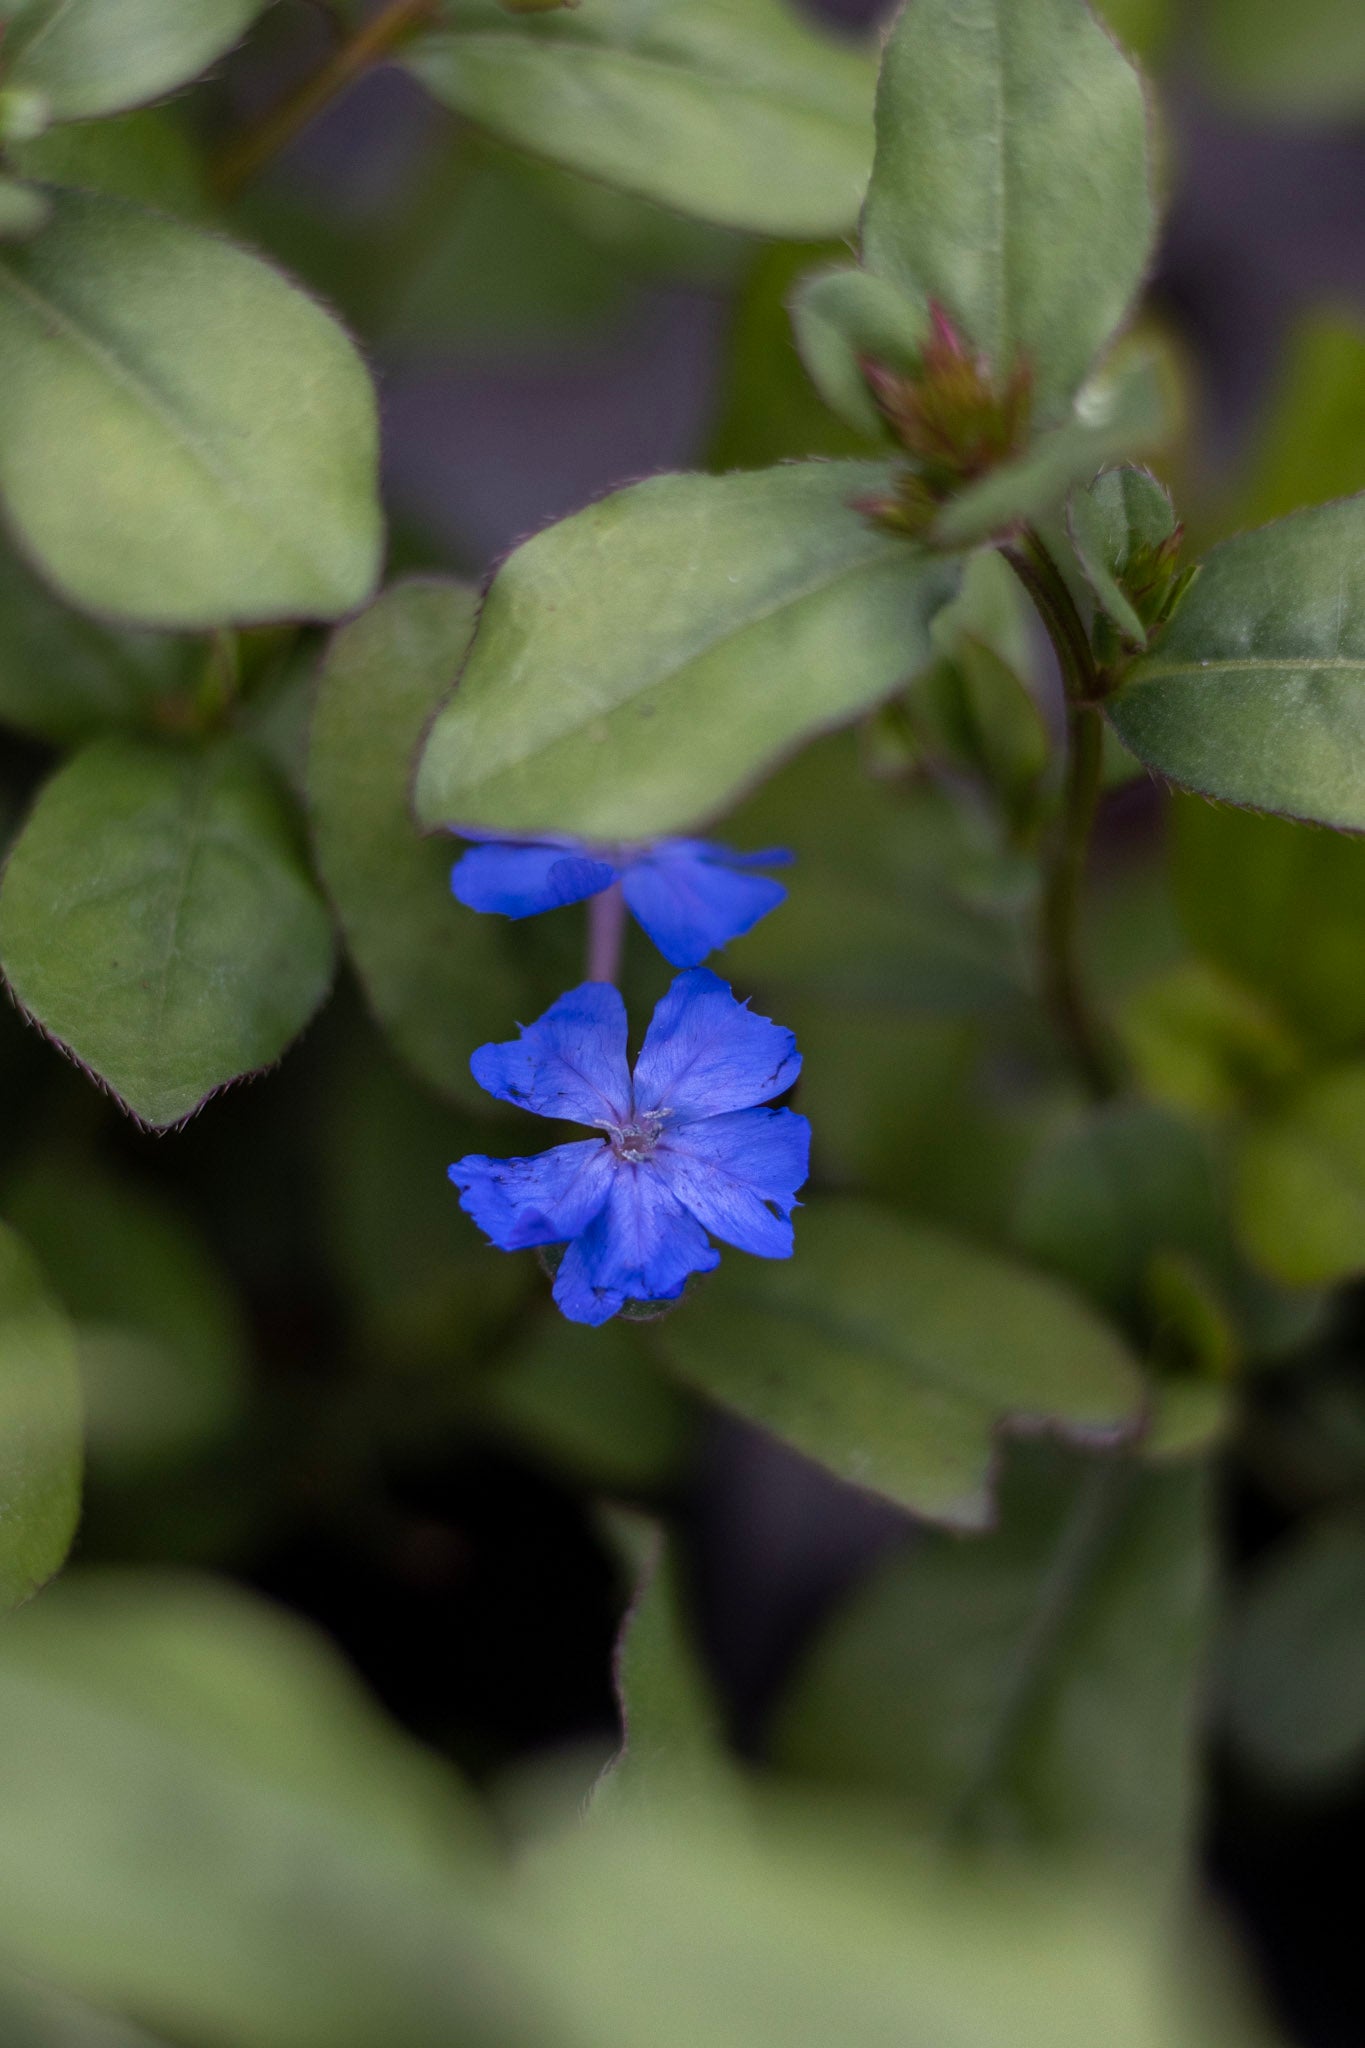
(1244, 664)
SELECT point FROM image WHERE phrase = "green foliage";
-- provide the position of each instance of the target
(433, 972)
(1295, 1672)
(89, 57)
(40, 1428)
(1123, 528)
(741, 114)
(1311, 446)
(1308, 63)
(1253, 693)
(716, 622)
(185, 438)
(894, 1354)
(1301, 1182)
(1011, 182)
(157, 919)
(989, 1684)
(844, 317)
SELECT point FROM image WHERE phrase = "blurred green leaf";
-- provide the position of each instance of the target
(1281, 907)
(23, 210)
(89, 57)
(894, 1354)
(992, 1684)
(1311, 444)
(64, 678)
(162, 1344)
(157, 919)
(261, 1857)
(1011, 182)
(769, 409)
(715, 623)
(595, 1402)
(1300, 1189)
(149, 156)
(40, 1428)
(1295, 1674)
(743, 114)
(1202, 1041)
(1301, 63)
(1142, 26)
(1254, 691)
(185, 438)
(434, 972)
(673, 1752)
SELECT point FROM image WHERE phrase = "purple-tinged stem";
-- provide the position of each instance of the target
(606, 934)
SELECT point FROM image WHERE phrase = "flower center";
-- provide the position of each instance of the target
(636, 1140)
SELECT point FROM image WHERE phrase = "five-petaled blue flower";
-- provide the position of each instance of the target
(686, 1147)
(689, 895)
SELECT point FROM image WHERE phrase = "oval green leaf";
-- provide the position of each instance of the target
(1256, 691)
(91, 57)
(894, 1354)
(1011, 180)
(435, 973)
(639, 664)
(40, 1428)
(185, 438)
(744, 114)
(158, 921)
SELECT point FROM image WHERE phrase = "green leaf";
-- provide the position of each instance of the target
(1281, 907)
(743, 114)
(673, 1751)
(769, 410)
(40, 1428)
(1301, 1183)
(1124, 513)
(844, 315)
(1121, 412)
(162, 1345)
(23, 210)
(63, 678)
(1011, 182)
(592, 1401)
(1203, 1042)
(149, 156)
(1295, 1677)
(185, 438)
(715, 623)
(91, 57)
(435, 973)
(263, 1857)
(894, 1354)
(991, 1685)
(1254, 692)
(156, 918)
(1301, 63)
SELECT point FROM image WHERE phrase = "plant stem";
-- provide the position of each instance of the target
(606, 934)
(372, 42)
(1063, 984)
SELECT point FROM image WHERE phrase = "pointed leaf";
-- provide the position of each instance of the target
(1124, 510)
(846, 315)
(638, 664)
(894, 1354)
(40, 1428)
(743, 113)
(90, 57)
(157, 919)
(1255, 693)
(185, 438)
(1011, 181)
(435, 973)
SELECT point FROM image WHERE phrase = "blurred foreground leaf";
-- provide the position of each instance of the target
(157, 919)
(895, 1355)
(992, 1684)
(40, 1428)
(89, 57)
(1296, 1658)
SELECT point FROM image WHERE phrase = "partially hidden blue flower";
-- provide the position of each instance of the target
(686, 1148)
(689, 895)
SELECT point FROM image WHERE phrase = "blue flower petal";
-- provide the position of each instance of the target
(690, 903)
(518, 880)
(704, 1053)
(571, 1063)
(644, 1246)
(739, 1174)
(543, 1200)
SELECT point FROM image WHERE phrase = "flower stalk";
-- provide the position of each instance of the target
(606, 934)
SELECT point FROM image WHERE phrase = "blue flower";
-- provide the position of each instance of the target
(689, 895)
(686, 1148)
